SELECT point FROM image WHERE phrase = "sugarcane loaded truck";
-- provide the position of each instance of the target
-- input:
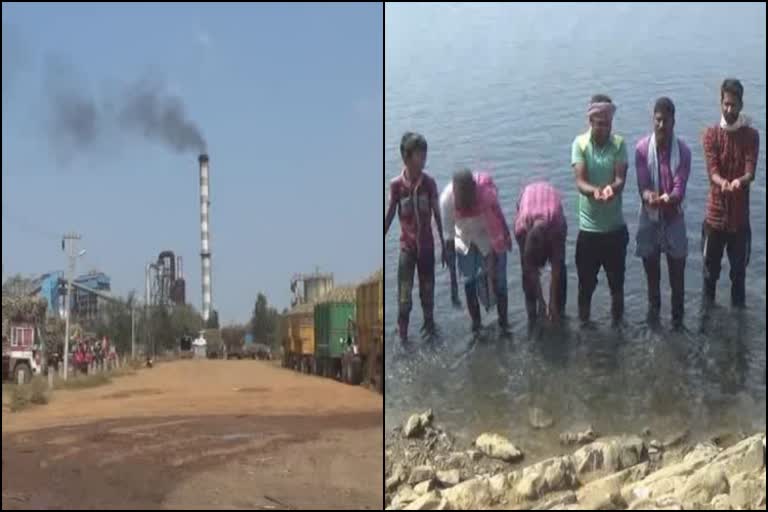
(23, 345)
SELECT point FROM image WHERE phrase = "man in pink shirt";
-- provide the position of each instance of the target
(540, 230)
(477, 233)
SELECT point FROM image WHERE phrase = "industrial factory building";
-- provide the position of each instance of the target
(165, 285)
(88, 293)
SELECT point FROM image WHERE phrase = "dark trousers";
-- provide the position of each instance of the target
(606, 250)
(529, 289)
(738, 246)
(409, 262)
(676, 267)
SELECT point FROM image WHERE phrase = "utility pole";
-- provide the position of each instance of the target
(69, 244)
(133, 330)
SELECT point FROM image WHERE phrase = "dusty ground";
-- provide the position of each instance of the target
(198, 435)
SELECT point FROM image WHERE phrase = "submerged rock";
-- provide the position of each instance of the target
(571, 438)
(417, 424)
(420, 474)
(449, 478)
(498, 447)
(539, 419)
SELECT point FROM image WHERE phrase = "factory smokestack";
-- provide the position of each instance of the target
(205, 251)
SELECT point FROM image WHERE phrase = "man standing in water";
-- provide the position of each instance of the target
(731, 150)
(477, 233)
(599, 160)
(540, 231)
(663, 163)
(413, 195)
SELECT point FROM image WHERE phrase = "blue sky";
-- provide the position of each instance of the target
(289, 98)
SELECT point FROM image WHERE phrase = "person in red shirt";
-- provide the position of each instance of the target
(413, 196)
(731, 150)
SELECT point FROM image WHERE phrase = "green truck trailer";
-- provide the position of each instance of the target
(332, 334)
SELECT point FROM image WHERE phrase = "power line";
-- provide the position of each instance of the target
(29, 227)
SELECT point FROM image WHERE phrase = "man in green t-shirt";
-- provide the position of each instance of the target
(599, 160)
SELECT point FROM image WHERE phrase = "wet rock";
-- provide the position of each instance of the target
(470, 495)
(746, 490)
(456, 460)
(703, 486)
(444, 441)
(610, 501)
(655, 451)
(676, 439)
(399, 476)
(669, 479)
(498, 485)
(449, 478)
(539, 419)
(662, 504)
(575, 438)
(564, 501)
(702, 453)
(474, 455)
(424, 487)
(420, 474)
(549, 476)
(720, 502)
(392, 483)
(498, 447)
(417, 424)
(609, 455)
(404, 497)
(430, 501)
(727, 439)
(746, 456)
(702, 475)
(599, 493)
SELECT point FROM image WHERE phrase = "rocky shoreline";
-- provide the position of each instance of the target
(427, 469)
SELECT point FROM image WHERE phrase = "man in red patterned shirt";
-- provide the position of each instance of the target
(413, 196)
(731, 150)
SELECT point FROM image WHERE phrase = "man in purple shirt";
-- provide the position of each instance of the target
(663, 163)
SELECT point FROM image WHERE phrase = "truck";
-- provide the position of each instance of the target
(235, 349)
(185, 347)
(284, 333)
(332, 338)
(214, 343)
(302, 346)
(365, 358)
(22, 339)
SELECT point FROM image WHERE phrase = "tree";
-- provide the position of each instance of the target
(233, 335)
(264, 322)
(18, 286)
(213, 320)
(185, 321)
(163, 326)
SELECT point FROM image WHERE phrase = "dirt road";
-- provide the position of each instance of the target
(198, 435)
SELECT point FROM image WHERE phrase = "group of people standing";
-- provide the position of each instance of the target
(93, 351)
(475, 236)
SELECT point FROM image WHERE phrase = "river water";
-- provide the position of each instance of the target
(504, 87)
